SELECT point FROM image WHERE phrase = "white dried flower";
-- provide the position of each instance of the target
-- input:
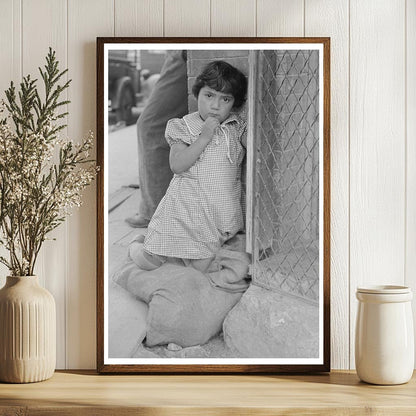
(42, 175)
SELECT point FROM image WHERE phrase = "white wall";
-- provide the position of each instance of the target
(373, 132)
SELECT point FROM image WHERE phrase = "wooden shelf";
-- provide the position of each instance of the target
(86, 393)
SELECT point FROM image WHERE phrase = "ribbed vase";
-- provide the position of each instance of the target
(27, 331)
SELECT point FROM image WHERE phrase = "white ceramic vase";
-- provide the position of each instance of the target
(27, 331)
(384, 340)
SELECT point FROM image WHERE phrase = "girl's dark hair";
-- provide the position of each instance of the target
(223, 77)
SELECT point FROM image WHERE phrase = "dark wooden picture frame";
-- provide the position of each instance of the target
(319, 289)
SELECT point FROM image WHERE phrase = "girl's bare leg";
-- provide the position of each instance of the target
(143, 259)
(201, 264)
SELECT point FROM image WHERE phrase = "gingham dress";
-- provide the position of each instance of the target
(201, 208)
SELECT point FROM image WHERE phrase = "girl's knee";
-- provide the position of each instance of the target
(143, 259)
(201, 264)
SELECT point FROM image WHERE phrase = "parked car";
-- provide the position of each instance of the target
(125, 82)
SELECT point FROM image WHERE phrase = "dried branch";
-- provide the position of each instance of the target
(36, 193)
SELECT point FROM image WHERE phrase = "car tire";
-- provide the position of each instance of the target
(126, 104)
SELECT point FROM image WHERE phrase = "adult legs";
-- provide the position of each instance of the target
(169, 99)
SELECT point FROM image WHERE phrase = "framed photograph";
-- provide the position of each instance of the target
(213, 205)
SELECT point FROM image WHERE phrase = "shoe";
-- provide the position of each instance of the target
(137, 221)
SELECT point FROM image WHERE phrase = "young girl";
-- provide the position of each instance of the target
(201, 208)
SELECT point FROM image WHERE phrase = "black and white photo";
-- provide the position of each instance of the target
(213, 213)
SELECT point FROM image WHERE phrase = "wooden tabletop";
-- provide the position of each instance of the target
(86, 393)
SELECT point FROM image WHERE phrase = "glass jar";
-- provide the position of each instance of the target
(384, 338)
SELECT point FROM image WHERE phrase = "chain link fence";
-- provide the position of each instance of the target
(286, 177)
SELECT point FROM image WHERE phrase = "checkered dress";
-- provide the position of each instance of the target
(201, 208)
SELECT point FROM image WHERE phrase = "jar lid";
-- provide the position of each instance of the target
(384, 289)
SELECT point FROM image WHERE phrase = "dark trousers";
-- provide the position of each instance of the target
(169, 99)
